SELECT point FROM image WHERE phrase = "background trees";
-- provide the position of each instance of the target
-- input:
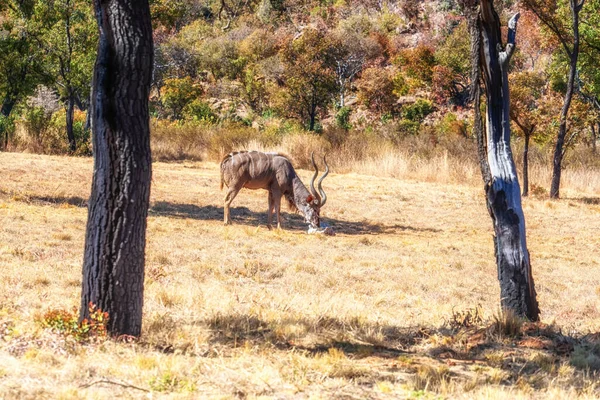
(68, 40)
(276, 67)
(563, 23)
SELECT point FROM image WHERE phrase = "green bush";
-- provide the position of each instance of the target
(342, 118)
(199, 111)
(450, 125)
(417, 111)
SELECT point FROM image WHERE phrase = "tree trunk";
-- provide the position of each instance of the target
(562, 129)
(594, 136)
(503, 192)
(69, 122)
(312, 114)
(7, 106)
(526, 163)
(113, 265)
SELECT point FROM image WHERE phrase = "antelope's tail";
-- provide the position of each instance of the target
(222, 169)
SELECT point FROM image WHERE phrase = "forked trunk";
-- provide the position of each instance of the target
(502, 191)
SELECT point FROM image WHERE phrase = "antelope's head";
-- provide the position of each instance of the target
(316, 200)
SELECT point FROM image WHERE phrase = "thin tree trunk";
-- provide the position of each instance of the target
(69, 122)
(113, 265)
(475, 91)
(562, 129)
(7, 106)
(503, 192)
(526, 163)
(594, 136)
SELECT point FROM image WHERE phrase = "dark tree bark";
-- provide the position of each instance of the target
(594, 135)
(69, 122)
(113, 266)
(526, 163)
(7, 106)
(502, 189)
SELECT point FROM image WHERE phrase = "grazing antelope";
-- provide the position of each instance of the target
(275, 173)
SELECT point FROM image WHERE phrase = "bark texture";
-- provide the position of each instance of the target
(503, 193)
(113, 266)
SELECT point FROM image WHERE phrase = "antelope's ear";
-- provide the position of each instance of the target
(309, 198)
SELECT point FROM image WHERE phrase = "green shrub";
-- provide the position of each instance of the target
(342, 118)
(199, 111)
(450, 125)
(417, 111)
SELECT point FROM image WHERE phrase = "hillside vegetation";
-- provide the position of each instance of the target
(357, 79)
(402, 302)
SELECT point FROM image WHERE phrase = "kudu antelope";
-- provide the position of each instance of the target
(275, 173)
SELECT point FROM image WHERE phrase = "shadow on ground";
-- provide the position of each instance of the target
(586, 200)
(534, 353)
(294, 222)
(59, 200)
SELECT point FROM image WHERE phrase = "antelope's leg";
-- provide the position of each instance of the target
(270, 210)
(277, 202)
(231, 193)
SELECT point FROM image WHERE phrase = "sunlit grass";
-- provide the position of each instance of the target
(402, 302)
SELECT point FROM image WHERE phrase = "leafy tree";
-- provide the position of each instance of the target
(451, 74)
(19, 60)
(527, 89)
(376, 89)
(562, 20)
(417, 66)
(588, 83)
(221, 56)
(177, 93)
(69, 41)
(309, 75)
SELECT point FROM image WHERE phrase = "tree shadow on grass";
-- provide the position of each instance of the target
(293, 222)
(58, 200)
(586, 200)
(534, 353)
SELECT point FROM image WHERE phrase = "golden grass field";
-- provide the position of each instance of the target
(401, 303)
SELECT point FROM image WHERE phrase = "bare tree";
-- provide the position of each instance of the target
(113, 265)
(502, 189)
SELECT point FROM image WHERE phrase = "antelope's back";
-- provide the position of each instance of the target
(254, 169)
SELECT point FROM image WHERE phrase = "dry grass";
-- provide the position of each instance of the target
(385, 309)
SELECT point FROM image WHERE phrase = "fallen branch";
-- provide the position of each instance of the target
(108, 381)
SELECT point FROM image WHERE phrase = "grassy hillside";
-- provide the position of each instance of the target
(402, 302)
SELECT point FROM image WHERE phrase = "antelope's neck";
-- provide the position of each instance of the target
(300, 193)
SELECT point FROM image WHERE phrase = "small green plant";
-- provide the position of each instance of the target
(67, 323)
(342, 118)
(417, 111)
